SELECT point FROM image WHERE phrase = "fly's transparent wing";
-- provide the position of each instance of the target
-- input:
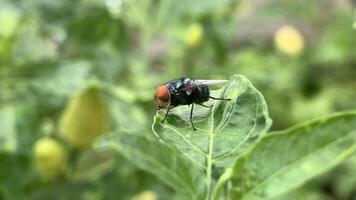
(189, 83)
(207, 82)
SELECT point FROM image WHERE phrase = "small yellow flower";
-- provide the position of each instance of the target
(289, 40)
(9, 20)
(49, 156)
(145, 195)
(194, 35)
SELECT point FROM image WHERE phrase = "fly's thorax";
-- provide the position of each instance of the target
(178, 96)
(178, 93)
(177, 84)
(184, 92)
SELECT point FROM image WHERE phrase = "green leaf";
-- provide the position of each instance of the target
(9, 19)
(64, 81)
(306, 194)
(198, 8)
(159, 159)
(8, 129)
(344, 179)
(223, 132)
(282, 161)
(64, 191)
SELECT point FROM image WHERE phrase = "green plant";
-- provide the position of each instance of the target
(231, 155)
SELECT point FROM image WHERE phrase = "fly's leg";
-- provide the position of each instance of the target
(166, 115)
(215, 98)
(205, 105)
(191, 117)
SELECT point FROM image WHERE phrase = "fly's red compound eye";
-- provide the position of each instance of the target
(162, 96)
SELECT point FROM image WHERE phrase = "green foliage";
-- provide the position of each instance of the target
(8, 134)
(228, 132)
(224, 131)
(294, 156)
(159, 159)
(52, 50)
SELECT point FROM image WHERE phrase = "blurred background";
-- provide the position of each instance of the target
(72, 70)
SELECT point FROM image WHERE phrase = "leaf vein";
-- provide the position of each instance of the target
(226, 154)
(185, 139)
(166, 170)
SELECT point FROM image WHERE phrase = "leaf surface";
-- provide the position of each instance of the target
(8, 130)
(159, 159)
(223, 132)
(189, 160)
(282, 161)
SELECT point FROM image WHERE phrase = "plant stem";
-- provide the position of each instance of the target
(221, 182)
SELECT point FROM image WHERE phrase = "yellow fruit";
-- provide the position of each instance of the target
(49, 156)
(289, 40)
(84, 119)
(194, 35)
(9, 20)
(145, 195)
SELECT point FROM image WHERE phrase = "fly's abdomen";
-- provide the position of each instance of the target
(201, 94)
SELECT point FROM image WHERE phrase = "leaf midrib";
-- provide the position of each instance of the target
(210, 153)
(210, 159)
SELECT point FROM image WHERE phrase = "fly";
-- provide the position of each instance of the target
(185, 91)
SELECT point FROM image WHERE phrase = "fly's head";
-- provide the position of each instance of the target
(162, 97)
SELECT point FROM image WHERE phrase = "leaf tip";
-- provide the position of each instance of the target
(102, 143)
(157, 117)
